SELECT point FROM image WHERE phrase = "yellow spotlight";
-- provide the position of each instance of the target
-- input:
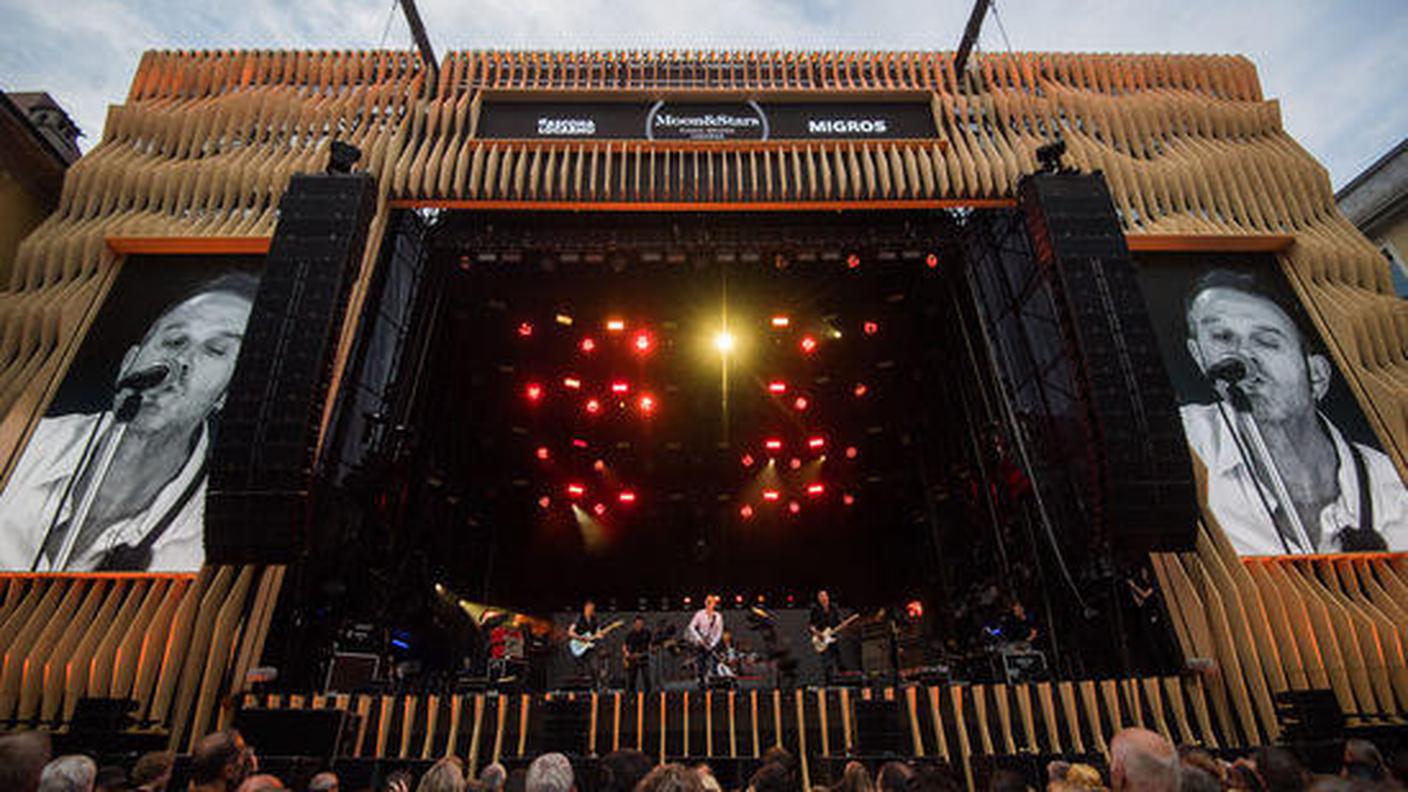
(723, 341)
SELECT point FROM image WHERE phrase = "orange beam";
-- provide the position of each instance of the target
(98, 575)
(1376, 555)
(189, 245)
(1209, 243)
(690, 206)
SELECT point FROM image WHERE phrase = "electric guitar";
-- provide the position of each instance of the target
(585, 643)
(823, 638)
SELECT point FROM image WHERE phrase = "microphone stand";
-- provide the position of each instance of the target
(124, 413)
(1260, 462)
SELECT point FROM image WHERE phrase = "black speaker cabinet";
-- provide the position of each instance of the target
(325, 733)
(880, 729)
(563, 727)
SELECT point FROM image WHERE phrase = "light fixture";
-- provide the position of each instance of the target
(724, 341)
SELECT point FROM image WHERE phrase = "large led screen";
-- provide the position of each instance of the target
(113, 476)
(1288, 462)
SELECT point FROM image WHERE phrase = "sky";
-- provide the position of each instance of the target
(1337, 68)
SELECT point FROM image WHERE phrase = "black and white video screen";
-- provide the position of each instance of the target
(113, 476)
(1292, 466)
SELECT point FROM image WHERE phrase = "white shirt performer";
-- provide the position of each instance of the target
(705, 631)
(1347, 497)
(143, 477)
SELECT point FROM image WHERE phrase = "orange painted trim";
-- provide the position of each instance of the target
(702, 206)
(97, 575)
(1369, 556)
(189, 245)
(1209, 243)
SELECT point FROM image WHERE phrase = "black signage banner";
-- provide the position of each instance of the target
(670, 120)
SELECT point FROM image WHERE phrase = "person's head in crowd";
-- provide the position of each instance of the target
(397, 781)
(855, 778)
(771, 777)
(71, 773)
(1199, 758)
(22, 759)
(197, 340)
(706, 777)
(493, 777)
(325, 781)
(1007, 780)
(1280, 770)
(261, 782)
(1196, 779)
(1242, 775)
(623, 770)
(893, 777)
(517, 780)
(1337, 784)
(1083, 776)
(550, 772)
(152, 772)
(1142, 760)
(110, 778)
(1362, 760)
(446, 775)
(671, 777)
(934, 779)
(221, 762)
(1231, 314)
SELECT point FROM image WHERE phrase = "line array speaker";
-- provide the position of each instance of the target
(261, 463)
(1142, 478)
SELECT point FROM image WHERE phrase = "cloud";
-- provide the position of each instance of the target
(1337, 68)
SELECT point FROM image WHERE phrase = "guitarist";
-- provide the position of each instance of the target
(705, 631)
(635, 655)
(585, 628)
(826, 616)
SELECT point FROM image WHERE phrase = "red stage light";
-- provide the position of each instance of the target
(794, 507)
(808, 345)
(533, 391)
(870, 328)
(593, 406)
(848, 499)
(777, 386)
(800, 404)
(746, 512)
(748, 460)
(852, 261)
(543, 452)
(578, 442)
(816, 489)
(644, 342)
(738, 599)
(816, 443)
(771, 495)
(772, 444)
(588, 345)
(860, 389)
(600, 509)
(647, 404)
(571, 382)
(914, 609)
(544, 502)
(525, 329)
(620, 387)
(576, 490)
(780, 322)
(615, 325)
(599, 465)
(795, 464)
(932, 261)
(627, 497)
(851, 452)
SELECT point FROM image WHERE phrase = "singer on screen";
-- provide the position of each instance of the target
(1264, 441)
(132, 477)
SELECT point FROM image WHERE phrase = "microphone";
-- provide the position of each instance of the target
(1230, 370)
(145, 379)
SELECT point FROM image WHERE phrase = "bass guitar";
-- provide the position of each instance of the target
(582, 644)
(823, 639)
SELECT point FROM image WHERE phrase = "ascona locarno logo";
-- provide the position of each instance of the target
(566, 127)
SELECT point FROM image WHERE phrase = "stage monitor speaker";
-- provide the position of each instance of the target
(1138, 473)
(349, 672)
(324, 733)
(880, 728)
(1309, 715)
(564, 727)
(261, 461)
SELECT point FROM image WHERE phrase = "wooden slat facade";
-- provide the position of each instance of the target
(197, 157)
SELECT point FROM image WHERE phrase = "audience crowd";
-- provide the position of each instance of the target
(1139, 760)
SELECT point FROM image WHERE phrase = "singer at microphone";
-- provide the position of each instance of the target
(132, 476)
(1270, 377)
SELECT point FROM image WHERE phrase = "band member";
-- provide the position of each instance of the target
(585, 628)
(635, 655)
(826, 616)
(705, 631)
